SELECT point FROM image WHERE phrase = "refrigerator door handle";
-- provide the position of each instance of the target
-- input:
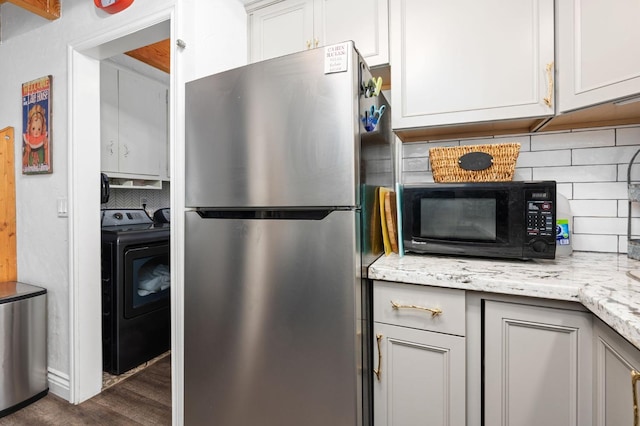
(268, 214)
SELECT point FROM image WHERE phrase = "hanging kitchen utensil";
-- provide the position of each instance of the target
(372, 116)
(373, 87)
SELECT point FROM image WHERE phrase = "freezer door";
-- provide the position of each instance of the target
(272, 322)
(277, 133)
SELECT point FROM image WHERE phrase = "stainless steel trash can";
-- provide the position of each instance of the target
(23, 345)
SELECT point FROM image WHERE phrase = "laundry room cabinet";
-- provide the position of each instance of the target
(134, 132)
(469, 61)
(278, 28)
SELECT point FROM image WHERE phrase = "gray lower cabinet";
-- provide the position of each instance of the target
(448, 357)
(537, 366)
(615, 360)
(420, 377)
(418, 355)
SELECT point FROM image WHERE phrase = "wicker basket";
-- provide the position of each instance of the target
(445, 163)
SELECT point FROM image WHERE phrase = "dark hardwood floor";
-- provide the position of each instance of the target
(142, 399)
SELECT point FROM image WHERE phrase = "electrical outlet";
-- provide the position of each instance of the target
(143, 201)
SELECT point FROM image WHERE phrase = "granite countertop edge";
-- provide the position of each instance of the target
(599, 281)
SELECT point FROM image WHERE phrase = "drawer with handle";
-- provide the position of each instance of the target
(417, 306)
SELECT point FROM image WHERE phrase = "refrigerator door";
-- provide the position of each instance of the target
(276, 133)
(272, 322)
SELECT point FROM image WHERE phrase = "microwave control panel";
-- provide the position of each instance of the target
(540, 218)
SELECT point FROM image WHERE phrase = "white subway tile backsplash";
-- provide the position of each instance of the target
(623, 209)
(603, 173)
(581, 139)
(443, 143)
(544, 159)
(612, 155)
(635, 227)
(600, 191)
(590, 167)
(622, 245)
(524, 141)
(416, 164)
(416, 149)
(594, 208)
(635, 171)
(600, 243)
(480, 141)
(416, 177)
(523, 174)
(600, 225)
(628, 136)
(565, 189)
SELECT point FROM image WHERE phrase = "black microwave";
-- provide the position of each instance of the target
(489, 219)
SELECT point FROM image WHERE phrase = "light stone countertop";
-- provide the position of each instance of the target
(597, 280)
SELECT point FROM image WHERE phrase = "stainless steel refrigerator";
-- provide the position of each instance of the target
(283, 158)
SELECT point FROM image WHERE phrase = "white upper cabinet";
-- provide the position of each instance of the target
(366, 22)
(281, 28)
(133, 115)
(109, 140)
(142, 122)
(598, 54)
(469, 61)
(288, 26)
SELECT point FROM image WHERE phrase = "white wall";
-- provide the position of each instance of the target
(590, 167)
(33, 47)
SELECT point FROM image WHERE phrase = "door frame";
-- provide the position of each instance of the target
(85, 320)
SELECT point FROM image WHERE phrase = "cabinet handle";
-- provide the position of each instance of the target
(378, 371)
(126, 151)
(434, 311)
(317, 42)
(635, 376)
(549, 98)
(308, 45)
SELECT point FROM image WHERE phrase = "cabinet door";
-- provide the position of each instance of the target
(142, 119)
(108, 118)
(597, 51)
(421, 377)
(538, 366)
(366, 22)
(615, 359)
(488, 63)
(280, 29)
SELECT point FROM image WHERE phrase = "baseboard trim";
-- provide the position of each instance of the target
(59, 384)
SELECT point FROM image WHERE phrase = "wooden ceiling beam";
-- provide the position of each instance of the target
(48, 9)
(157, 55)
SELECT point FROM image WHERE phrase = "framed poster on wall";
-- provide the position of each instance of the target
(36, 125)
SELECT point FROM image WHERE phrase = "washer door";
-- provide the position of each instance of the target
(147, 279)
